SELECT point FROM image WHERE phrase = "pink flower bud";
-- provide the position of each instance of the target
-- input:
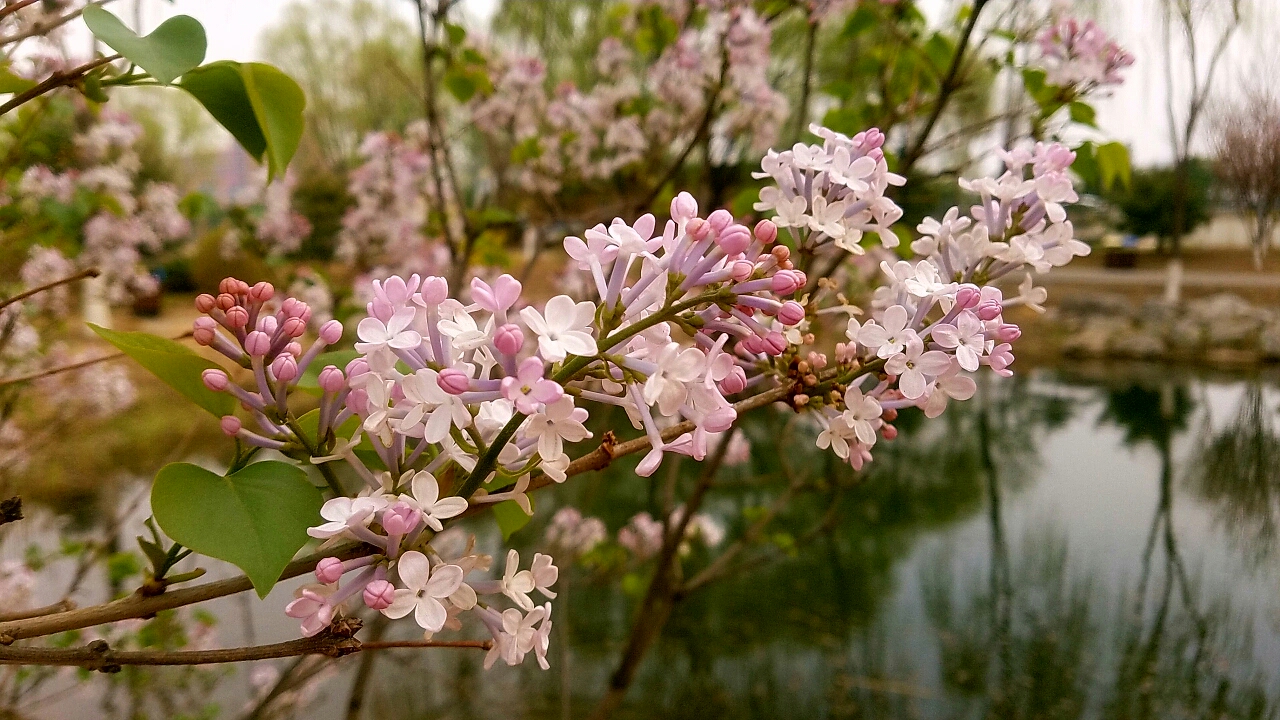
(331, 379)
(780, 253)
(968, 296)
(742, 270)
(785, 282)
(285, 368)
(293, 308)
(225, 301)
(294, 348)
(358, 401)
(734, 382)
(230, 425)
(262, 292)
(400, 519)
(257, 343)
(379, 594)
(453, 381)
(734, 240)
(229, 285)
(766, 231)
(754, 344)
(205, 302)
(720, 219)
(791, 313)
(683, 207)
(775, 344)
(1008, 333)
(331, 332)
(357, 367)
(268, 324)
(435, 290)
(215, 380)
(237, 317)
(697, 228)
(509, 339)
(804, 279)
(888, 432)
(203, 330)
(294, 327)
(817, 360)
(989, 310)
(329, 570)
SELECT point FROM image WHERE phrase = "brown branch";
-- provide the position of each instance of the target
(137, 606)
(88, 273)
(949, 85)
(72, 366)
(10, 510)
(40, 28)
(56, 80)
(14, 7)
(99, 656)
(60, 606)
(704, 126)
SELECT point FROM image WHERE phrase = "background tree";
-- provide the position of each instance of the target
(1247, 161)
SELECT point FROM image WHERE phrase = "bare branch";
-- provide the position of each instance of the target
(138, 606)
(99, 656)
(72, 366)
(89, 273)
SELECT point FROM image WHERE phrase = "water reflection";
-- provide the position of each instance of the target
(1060, 547)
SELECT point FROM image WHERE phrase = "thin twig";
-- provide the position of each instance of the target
(87, 273)
(949, 85)
(137, 606)
(14, 7)
(60, 606)
(56, 80)
(40, 28)
(73, 366)
(99, 656)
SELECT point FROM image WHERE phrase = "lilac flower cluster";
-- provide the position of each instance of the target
(453, 405)
(940, 315)
(1081, 55)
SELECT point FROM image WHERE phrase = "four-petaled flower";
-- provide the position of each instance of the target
(395, 334)
(564, 329)
(423, 591)
(425, 492)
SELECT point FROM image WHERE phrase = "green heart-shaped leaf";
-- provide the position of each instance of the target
(261, 107)
(255, 518)
(172, 49)
(173, 363)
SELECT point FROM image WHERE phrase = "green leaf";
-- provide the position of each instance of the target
(255, 518)
(1113, 164)
(10, 83)
(460, 84)
(220, 89)
(510, 517)
(456, 33)
(176, 365)
(172, 49)
(278, 103)
(259, 105)
(1084, 114)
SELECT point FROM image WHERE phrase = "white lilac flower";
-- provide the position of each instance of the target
(564, 329)
(425, 490)
(916, 367)
(423, 591)
(558, 423)
(394, 334)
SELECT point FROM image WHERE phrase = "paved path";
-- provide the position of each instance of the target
(1190, 278)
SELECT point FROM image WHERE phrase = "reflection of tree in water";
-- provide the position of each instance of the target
(1175, 651)
(1029, 646)
(1018, 648)
(1238, 469)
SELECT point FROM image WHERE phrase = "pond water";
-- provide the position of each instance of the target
(1066, 545)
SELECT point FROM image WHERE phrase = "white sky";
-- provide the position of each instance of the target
(1135, 115)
